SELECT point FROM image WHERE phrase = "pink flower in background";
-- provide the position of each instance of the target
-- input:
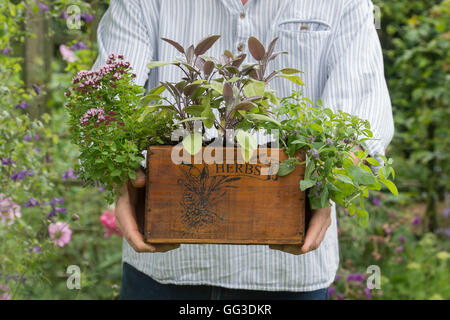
(36, 89)
(66, 53)
(4, 294)
(399, 249)
(42, 7)
(9, 210)
(367, 292)
(60, 233)
(331, 291)
(108, 220)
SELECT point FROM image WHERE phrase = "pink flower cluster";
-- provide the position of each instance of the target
(4, 294)
(108, 220)
(60, 233)
(99, 112)
(9, 210)
(115, 66)
(101, 117)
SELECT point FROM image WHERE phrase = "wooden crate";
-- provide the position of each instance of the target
(228, 203)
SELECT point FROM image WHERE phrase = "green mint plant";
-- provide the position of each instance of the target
(104, 108)
(336, 168)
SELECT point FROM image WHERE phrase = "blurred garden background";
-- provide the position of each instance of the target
(49, 221)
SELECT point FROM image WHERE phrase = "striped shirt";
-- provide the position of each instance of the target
(333, 41)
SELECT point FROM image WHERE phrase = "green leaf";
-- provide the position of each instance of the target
(332, 187)
(290, 71)
(261, 117)
(156, 64)
(392, 172)
(375, 186)
(362, 217)
(190, 119)
(157, 90)
(360, 175)
(287, 166)
(193, 143)
(152, 108)
(390, 185)
(299, 143)
(210, 117)
(116, 173)
(215, 86)
(316, 127)
(294, 79)
(352, 209)
(195, 110)
(309, 169)
(305, 184)
(320, 103)
(328, 112)
(132, 174)
(324, 198)
(368, 133)
(248, 144)
(143, 114)
(254, 88)
(373, 161)
(344, 178)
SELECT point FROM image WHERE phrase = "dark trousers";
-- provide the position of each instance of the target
(138, 286)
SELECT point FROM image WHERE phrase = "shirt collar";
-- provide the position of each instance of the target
(235, 5)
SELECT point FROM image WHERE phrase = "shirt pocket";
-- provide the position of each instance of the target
(306, 42)
(303, 26)
(301, 36)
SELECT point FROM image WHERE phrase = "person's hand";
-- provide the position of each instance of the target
(318, 225)
(126, 220)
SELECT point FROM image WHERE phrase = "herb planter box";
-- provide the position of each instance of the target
(225, 202)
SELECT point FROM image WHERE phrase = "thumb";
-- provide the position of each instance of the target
(139, 181)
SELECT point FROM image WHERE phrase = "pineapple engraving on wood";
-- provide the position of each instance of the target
(201, 192)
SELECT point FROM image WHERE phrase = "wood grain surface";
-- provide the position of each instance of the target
(229, 202)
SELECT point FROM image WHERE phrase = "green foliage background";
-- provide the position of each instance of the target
(407, 236)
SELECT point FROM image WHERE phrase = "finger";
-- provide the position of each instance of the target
(322, 234)
(136, 240)
(126, 219)
(318, 219)
(139, 181)
(315, 226)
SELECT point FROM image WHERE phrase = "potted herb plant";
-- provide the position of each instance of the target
(220, 191)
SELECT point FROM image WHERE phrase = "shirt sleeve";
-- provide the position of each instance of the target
(356, 82)
(123, 30)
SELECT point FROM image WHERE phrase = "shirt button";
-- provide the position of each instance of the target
(240, 46)
(242, 15)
